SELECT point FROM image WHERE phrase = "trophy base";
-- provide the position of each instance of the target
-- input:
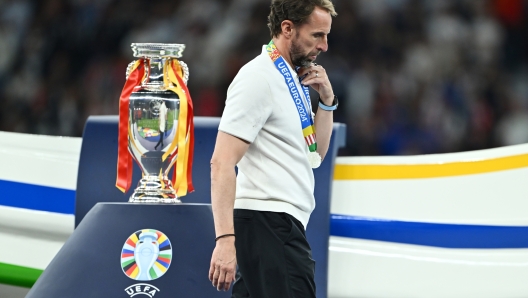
(154, 199)
(153, 190)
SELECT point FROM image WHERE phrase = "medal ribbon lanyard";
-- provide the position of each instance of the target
(302, 104)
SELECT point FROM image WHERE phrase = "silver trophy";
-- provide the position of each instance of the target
(154, 112)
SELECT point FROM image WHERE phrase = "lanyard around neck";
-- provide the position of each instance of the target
(302, 105)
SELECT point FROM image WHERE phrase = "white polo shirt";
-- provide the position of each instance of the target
(274, 174)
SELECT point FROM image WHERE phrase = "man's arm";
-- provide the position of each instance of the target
(228, 151)
(324, 121)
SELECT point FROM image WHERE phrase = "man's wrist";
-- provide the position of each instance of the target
(327, 100)
(224, 237)
(226, 241)
(329, 107)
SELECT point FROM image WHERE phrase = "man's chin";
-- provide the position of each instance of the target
(303, 63)
(310, 61)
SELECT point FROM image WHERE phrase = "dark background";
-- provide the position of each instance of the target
(413, 76)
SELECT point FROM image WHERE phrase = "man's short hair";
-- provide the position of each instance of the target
(296, 11)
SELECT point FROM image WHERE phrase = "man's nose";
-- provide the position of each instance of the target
(323, 45)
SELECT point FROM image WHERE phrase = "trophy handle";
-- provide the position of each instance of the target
(129, 68)
(185, 69)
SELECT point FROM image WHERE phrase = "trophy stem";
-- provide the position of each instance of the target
(152, 189)
(154, 80)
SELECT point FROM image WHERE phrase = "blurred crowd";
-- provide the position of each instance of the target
(413, 76)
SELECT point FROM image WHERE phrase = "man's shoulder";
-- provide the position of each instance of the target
(258, 66)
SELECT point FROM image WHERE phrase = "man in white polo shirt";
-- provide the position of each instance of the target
(269, 132)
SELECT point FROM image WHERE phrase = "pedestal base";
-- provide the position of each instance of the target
(97, 261)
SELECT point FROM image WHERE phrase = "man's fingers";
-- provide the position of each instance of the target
(310, 69)
(211, 271)
(230, 277)
(221, 279)
(308, 82)
(314, 77)
(305, 71)
(216, 275)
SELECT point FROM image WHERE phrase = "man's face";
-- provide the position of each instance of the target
(310, 39)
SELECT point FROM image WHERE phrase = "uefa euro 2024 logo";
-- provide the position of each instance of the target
(146, 255)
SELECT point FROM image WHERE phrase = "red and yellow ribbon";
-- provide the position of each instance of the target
(124, 159)
(182, 174)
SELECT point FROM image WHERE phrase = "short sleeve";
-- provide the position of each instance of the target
(248, 106)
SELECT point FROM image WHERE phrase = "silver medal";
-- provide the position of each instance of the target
(314, 159)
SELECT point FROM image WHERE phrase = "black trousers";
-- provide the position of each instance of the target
(274, 258)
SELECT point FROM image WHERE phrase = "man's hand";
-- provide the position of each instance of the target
(223, 264)
(317, 78)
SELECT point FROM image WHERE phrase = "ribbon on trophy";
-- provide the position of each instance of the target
(182, 174)
(124, 159)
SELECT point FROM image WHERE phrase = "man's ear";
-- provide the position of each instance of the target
(287, 28)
